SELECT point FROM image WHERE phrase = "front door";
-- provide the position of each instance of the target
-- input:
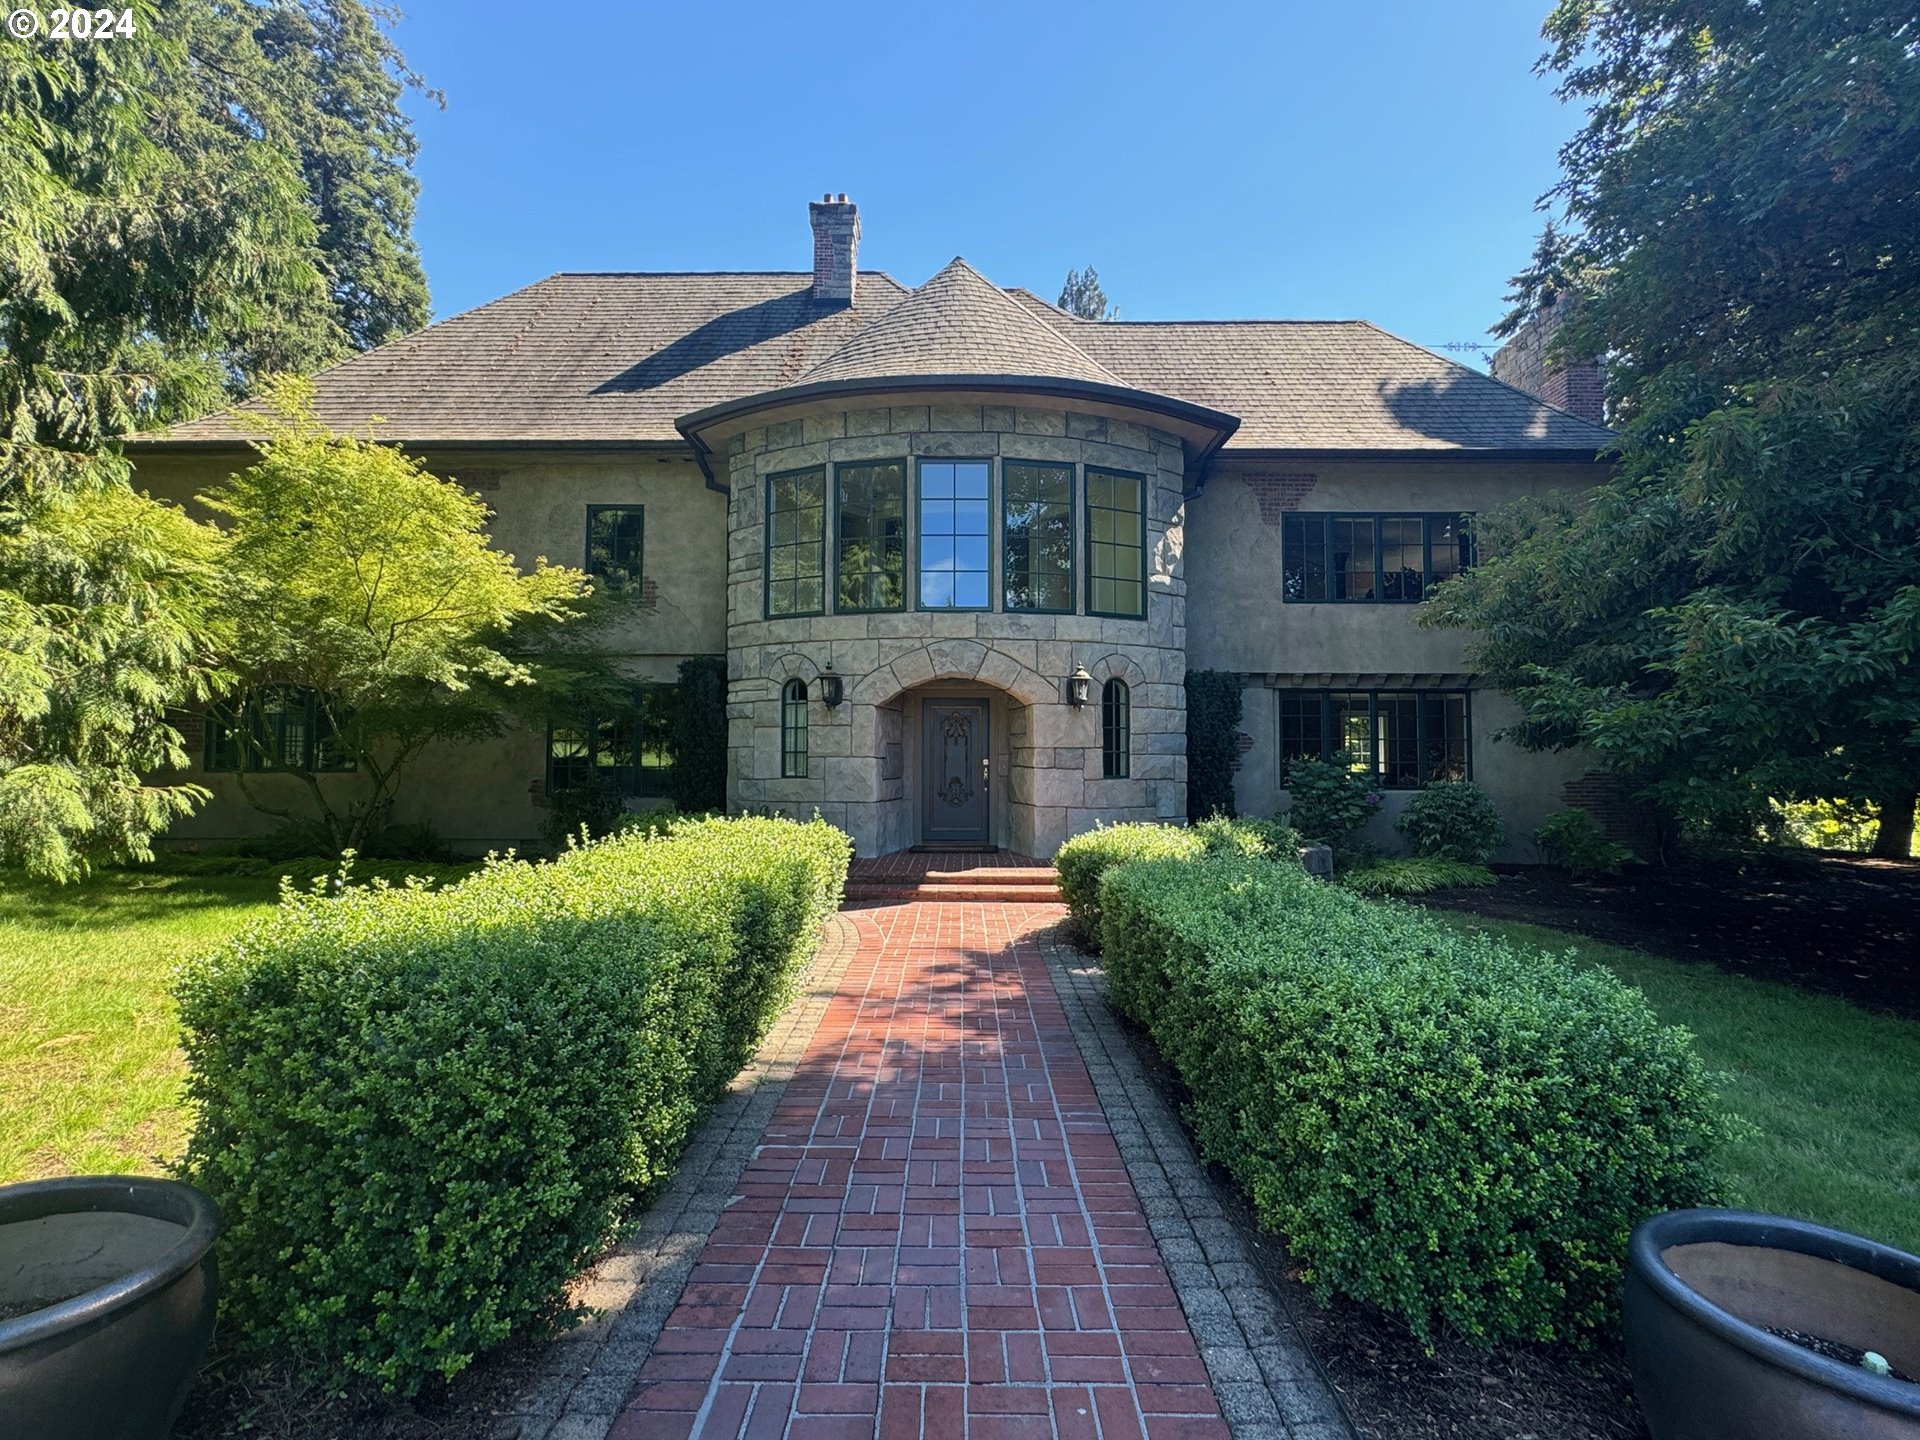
(953, 774)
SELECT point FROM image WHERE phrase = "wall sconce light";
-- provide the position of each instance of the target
(1078, 684)
(831, 690)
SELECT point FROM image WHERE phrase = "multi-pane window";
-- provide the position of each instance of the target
(632, 750)
(1116, 730)
(276, 727)
(1036, 536)
(1390, 558)
(614, 536)
(793, 730)
(871, 547)
(797, 542)
(1116, 544)
(955, 573)
(1402, 739)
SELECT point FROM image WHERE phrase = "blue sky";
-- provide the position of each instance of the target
(1315, 160)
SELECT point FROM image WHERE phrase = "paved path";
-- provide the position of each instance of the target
(937, 1233)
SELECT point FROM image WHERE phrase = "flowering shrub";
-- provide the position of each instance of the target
(422, 1111)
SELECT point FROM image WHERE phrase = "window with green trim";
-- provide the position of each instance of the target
(956, 571)
(1388, 558)
(870, 551)
(797, 542)
(1036, 536)
(275, 727)
(1402, 739)
(1116, 544)
(793, 730)
(1116, 730)
(632, 750)
(614, 540)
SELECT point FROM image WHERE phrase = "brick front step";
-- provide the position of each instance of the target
(1020, 885)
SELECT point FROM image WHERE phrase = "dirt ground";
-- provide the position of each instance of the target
(1844, 925)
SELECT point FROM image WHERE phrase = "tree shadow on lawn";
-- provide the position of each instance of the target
(1840, 925)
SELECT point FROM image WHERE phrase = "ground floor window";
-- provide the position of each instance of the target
(1116, 730)
(1403, 738)
(275, 727)
(793, 730)
(631, 750)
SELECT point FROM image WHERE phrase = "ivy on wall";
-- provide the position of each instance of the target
(1213, 717)
(700, 736)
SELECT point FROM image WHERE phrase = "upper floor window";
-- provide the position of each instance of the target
(1390, 558)
(797, 543)
(614, 535)
(955, 573)
(793, 730)
(632, 750)
(275, 727)
(1116, 730)
(871, 550)
(1403, 739)
(1116, 544)
(1036, 536)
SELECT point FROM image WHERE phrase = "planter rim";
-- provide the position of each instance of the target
(1775, 1232)
(167, 1200)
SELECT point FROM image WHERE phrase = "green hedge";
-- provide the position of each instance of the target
(1079, 864)
(422, 1111)
(1437, 1123)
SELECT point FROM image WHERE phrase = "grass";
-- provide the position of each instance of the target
(90, 1069)
(1829, 1090)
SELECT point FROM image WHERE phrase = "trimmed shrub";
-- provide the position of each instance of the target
(1574, 841)
(420, 1112)
(700, 736)
(1081, 862)
(1328, 801)
(1257, 839)
(1416, 876)
(1213, 717)
(1436, 1122)
(1452, 820)
(592, 805)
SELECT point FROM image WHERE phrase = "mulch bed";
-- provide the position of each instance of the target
(242, 1398)
(1843, 925)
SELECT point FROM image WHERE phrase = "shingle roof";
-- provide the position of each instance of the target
(620, 357)
(1324, 384)
(959, 323)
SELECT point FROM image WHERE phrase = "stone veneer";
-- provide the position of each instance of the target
(863, 761)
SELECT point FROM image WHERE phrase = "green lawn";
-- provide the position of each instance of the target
(1830, 1090)
(90, 1073)
(90, 1070)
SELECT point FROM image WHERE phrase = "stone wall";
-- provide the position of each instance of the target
(1046, 757)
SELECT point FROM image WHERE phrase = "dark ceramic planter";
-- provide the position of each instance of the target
(130, 1264)
(1704, 1285)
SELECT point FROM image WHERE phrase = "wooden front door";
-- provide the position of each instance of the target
(954, 772)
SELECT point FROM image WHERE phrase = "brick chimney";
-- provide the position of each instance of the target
(1576, 385)
(836, 245)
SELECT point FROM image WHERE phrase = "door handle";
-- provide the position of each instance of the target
(984, 767)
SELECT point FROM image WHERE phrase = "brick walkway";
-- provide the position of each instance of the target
(937, 1235)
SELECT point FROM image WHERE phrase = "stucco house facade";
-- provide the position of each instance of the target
(959, 547)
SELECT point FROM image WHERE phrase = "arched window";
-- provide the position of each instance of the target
(793, 730)
(1116, 730)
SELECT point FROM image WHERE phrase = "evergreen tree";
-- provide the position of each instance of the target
(1081, 295)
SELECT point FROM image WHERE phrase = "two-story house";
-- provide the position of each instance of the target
(959, 547)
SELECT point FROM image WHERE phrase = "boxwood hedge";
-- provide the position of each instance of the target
(422, 1111)
(1437, 1123)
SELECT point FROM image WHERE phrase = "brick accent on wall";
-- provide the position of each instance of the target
(1242, 743)
(1279, 493)
(1626, 821)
